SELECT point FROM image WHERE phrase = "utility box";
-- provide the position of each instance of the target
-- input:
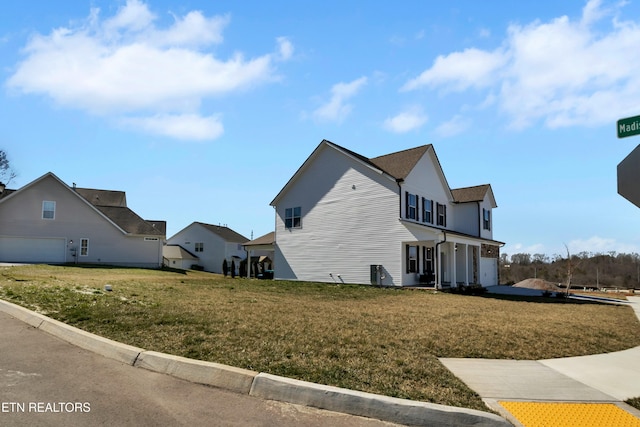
(376, 274)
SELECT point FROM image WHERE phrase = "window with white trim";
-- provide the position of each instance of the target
(427, 210)
(48, 209)
(199, 246)
(427, 260)
(486, 219)
(84, 247)
(442, 214)
(411, 259)
(411, 206)
(293, 217)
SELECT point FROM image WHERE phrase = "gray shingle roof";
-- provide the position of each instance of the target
(113, 204)
(470, 194)
(129, 221)
(177, 252)
(103, 197)
(225, 232)
(401, 163)
(267, 239)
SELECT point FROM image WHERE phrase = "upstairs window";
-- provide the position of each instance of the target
(427, 210)
(48, 210)
(293, 217)
(199, 246)
(486, 219)
(442, 214)
(412, 206)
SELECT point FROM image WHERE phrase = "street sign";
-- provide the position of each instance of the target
(628, 127)
(629, 177)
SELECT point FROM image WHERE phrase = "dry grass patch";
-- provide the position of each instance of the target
(377, 340)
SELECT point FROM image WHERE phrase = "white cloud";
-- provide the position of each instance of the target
(405, 121)
(285, 47)
(454, 126)
(183, 126)
(337, 109)
(460, 70)
(562, 72)
(603, 245)
(126, 65)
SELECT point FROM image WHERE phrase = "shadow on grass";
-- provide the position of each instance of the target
(120, 267)
(539, 299)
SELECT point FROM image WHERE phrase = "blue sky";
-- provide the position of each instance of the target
(202, 110)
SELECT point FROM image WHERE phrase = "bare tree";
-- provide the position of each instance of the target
(7, 173)
(569, 269)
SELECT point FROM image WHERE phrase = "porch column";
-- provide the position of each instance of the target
(454, 275)
(466, 265)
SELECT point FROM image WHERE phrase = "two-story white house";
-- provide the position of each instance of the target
(390, 220)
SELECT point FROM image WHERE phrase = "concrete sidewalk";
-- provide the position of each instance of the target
(602, 378)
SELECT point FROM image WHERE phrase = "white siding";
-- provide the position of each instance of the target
(426, 181)
(215, 248)
(467, 218)
(350, 220)
(21, 216)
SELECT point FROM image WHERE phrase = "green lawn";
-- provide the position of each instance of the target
(377, 340)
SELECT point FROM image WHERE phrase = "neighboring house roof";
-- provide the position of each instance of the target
(267, 239)
(6, 192)
(177, 252)
(129, 221)
(159, 225)
(225, 232)
(114, 211)
(103, 197)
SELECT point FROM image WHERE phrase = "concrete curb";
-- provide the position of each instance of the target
(262, 385)
(209, 373)
(370, 405)
(95, 343)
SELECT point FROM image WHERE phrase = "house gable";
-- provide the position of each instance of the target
(368, 163)
(47, 210)
(343, 202)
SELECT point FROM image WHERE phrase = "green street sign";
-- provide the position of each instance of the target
(628, 127)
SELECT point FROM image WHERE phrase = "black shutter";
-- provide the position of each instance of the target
(406, 205)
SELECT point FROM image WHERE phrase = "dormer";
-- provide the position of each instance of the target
(474, 207)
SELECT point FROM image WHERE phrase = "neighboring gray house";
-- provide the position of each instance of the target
(212, 244)
(390, 220)
(46, 221)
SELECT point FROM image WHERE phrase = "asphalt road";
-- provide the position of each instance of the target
(45, 381)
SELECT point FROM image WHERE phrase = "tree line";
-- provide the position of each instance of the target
(585, 269)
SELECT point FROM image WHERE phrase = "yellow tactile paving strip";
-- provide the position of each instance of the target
(549, 414)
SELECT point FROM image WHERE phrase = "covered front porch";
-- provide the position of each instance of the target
(441, 263)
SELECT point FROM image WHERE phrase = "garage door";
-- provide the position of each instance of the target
(488, 271)
(36, 250)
